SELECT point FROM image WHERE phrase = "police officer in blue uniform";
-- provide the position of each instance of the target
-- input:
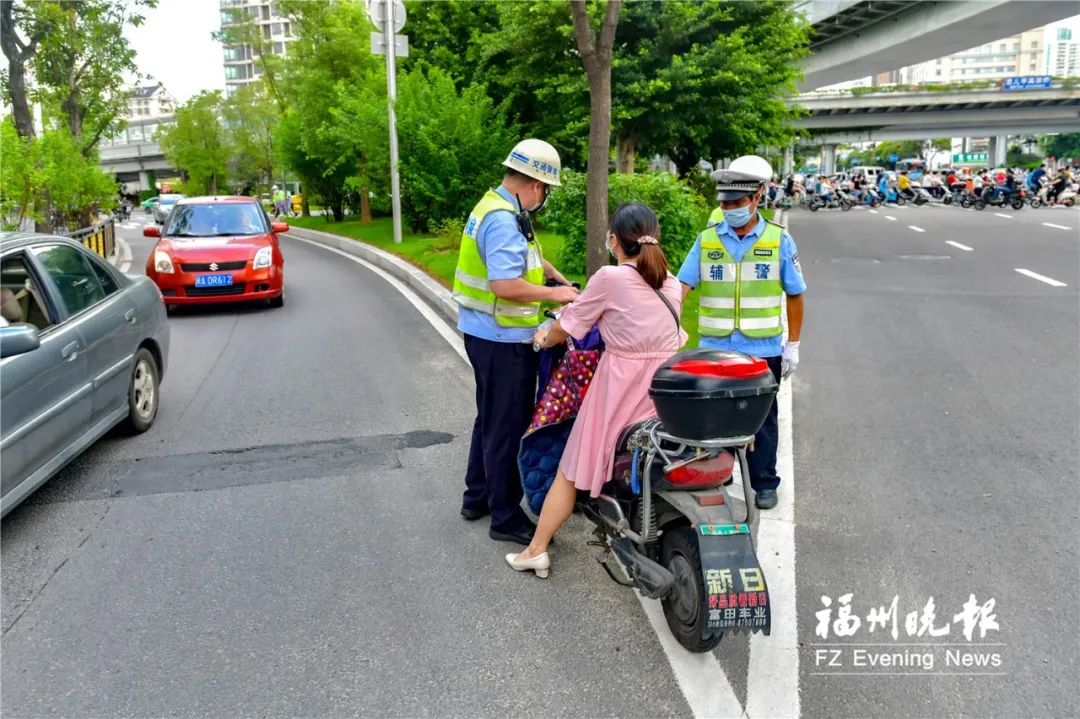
(748, 321)
(499, 285)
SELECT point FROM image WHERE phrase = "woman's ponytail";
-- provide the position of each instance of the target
(638, 231)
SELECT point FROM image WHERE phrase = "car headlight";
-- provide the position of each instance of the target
(163, 263)
(263, 258)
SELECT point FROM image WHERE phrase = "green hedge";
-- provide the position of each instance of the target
(681, 209)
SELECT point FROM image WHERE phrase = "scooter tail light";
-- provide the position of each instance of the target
(708, 472)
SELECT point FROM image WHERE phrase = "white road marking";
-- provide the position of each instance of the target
(440, 325)
(699, 676)
(890, 217)
(124, 252)
(1059, 227)
(1041, 278)
(874, 211)
(128, 225)
(917, 229)
(1002, 214)
(965, 248)
(772, 688)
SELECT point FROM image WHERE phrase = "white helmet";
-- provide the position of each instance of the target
(536, 159)
(744, 176)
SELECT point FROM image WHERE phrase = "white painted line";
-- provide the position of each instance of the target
(124, 264)
(772, 678)
(965, 248)
(448, 334)
(1059, 227)
(1002, 214)
(917, 229)
(699, 676)
(1041, 278)
(874, 211)
(890, 217)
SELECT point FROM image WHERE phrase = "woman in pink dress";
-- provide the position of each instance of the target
(640, 332)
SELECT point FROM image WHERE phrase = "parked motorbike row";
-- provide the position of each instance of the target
(918, 195)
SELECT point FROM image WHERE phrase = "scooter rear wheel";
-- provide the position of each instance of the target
(900, 201)
(845, 205)
(686, 608)
(1018, 204)
(979, 204)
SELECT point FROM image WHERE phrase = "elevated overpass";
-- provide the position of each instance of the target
(856, 38)
(845, 117)
(129, 162)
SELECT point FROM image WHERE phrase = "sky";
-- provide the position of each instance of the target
(174, 46)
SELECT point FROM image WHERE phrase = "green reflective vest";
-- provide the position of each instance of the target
(715, 218)
(471, 287)
(746, 295)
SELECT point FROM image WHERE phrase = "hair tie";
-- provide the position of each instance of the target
(647, 240)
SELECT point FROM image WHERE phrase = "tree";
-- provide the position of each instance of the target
(1066, 145)
(81, 63)
(19, 52)
(196, 143)
(251, 117)
(595, 50)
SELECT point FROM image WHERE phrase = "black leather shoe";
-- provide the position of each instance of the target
(522, 536)
(765, 499)
(473, 514)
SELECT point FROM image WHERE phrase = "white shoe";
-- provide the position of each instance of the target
(541, 564)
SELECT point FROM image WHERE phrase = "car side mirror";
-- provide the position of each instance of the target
(279, 227)
(151, 231)
(18, 339)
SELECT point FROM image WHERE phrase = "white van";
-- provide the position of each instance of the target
(872, 172)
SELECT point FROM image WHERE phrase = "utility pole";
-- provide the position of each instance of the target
(389, 16)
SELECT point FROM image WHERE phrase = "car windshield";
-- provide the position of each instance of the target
(218, 220)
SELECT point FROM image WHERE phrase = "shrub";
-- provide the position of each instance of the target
(452, 146)
(681, 210)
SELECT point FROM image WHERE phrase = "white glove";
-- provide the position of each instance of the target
(789, 360)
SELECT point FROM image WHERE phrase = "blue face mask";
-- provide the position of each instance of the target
(738, 217)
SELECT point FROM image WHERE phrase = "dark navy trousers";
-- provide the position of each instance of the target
(505, 394)
(762, 460)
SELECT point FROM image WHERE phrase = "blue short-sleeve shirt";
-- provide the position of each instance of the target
(791, 278)
(506, 254)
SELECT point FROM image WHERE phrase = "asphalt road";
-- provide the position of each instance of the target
(285, 541)
(936, 451)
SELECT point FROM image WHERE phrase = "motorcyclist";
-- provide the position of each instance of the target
(1034, 178)
(1060, 182)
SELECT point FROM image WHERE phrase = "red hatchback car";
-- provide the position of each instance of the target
(218, 249)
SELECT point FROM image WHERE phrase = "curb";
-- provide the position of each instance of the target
(429, 290)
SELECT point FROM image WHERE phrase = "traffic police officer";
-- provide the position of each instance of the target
(745, 265)
(499, 285)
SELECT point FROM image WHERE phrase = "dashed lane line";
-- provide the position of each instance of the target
(890, 217)
(1058, 227)
(874, 211)
(1041, 278)
(1002, 214)
(957, 245)
(917, 229)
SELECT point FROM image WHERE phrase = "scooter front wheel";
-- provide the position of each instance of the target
(900, 201)
(686, 608)
(814, 207)
(1018, 204)
(979, 205)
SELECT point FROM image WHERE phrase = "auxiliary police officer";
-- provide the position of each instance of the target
(499, 285)
(744, 266)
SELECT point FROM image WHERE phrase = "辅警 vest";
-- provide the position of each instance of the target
(471, 286)
(716, 217)
(746, 295)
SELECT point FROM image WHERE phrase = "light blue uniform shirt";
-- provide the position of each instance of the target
(791, 278)
(505, 252)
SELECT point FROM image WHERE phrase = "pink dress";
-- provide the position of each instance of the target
(639, 335)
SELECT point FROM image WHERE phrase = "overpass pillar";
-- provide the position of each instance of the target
(828, 160)
(789, 161)
(144, 180)
(998, 147)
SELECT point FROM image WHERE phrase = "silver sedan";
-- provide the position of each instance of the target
(82, 349)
